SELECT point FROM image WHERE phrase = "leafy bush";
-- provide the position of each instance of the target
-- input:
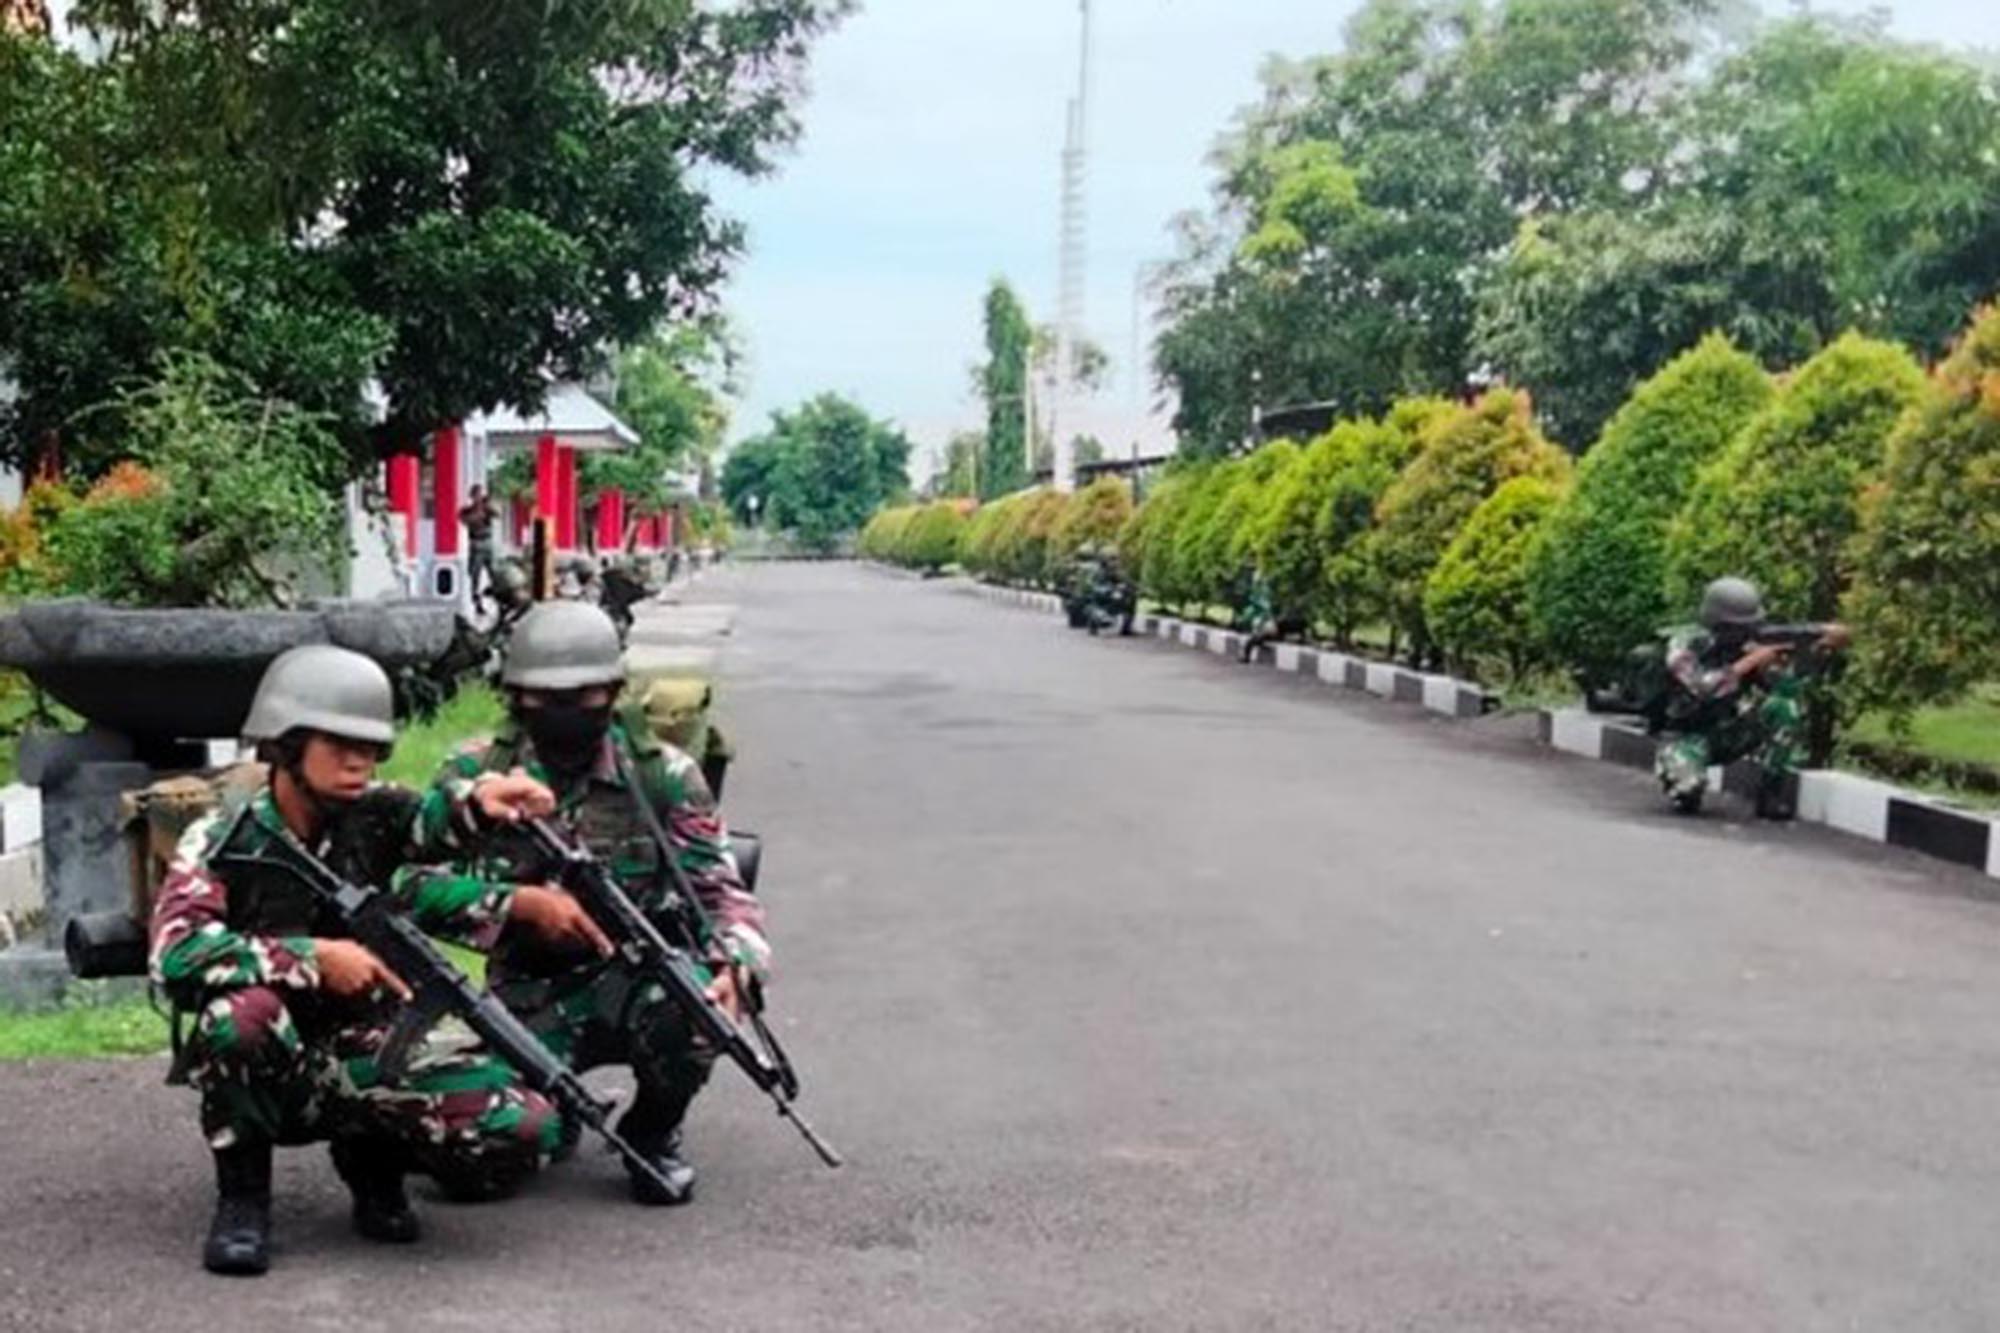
(1476, 600)
(1032, 560)
(1197, 548)
(882, 536)
(1097, 513)
(1780, 505)
(930, 539)
(1368, 457)
(1148, 544)
(1926, 604)
(1282, 531)
(232, 501)
(1241, 513)
(1466, 455)
(1597, 586)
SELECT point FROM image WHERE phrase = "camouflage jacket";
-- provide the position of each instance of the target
(221, 925)
(601, 808)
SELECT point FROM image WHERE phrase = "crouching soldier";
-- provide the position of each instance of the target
(288, 1013)
(1736, 689)
(634, 802)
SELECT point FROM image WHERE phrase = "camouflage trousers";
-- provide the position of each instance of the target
(1767, 729)
(478, 569)
(456, 1111)
(605, 1015)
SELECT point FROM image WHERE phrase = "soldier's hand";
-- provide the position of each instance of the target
(508, 798)
(1836, 638)
(347, 970)
(1758, 658)
(724, 991)
(558, 918)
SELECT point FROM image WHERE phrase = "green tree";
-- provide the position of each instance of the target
(1363, 199)
(1926, 603)
(819, 472)
(1597, 586)
(1476, 600)
(453, 201)
(1003, 383)
(1780, 505)
(1466, 455)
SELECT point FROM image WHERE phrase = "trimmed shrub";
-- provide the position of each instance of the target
(1097, 513)
(1780, 505)
(930, 540)
(1028, 547)
(1597, 585)
(1282, 535)
(882, 536)
(1368, 457)
(1466, 456)
(1185, 577)
(1476, 600)
(1926, 602)
(1147, 544)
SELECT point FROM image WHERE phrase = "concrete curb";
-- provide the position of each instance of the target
(1445, 695)
(1859, 806)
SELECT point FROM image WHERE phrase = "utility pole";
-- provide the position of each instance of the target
(1073, 276)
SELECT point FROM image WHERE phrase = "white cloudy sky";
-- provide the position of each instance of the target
(929, 166)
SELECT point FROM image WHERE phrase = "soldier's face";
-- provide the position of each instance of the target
(339, 769)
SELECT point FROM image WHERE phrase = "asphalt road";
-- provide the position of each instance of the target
(1147, 993)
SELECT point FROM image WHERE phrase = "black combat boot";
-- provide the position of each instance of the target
(373, 1169)
(1777, 797)
(239, 1239)
(653, 1127)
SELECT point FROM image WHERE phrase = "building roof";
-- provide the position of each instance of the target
(571, 415)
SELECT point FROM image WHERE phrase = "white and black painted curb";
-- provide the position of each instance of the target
(1861, 806)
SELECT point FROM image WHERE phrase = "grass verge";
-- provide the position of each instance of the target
(422, 746)
(83, 1029)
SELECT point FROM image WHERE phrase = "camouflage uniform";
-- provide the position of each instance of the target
(594, 1012)
(278, 1061)
(1721, 720)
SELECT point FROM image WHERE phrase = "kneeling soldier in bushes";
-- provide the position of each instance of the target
(634, 801)
(289, 1014)
(1735, 689)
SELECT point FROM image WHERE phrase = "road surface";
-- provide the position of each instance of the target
(1149, 993)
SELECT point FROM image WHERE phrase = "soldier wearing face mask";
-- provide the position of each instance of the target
(633, 800)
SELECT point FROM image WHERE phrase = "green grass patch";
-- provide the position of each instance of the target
(83, 1029)
(1967, 732)
(422, 747)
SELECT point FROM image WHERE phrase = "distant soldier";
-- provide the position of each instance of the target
(635, 802)
(478, 516)
(1735, 685)
(289, 1013)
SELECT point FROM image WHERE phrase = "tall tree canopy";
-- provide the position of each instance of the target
(1567, 194)
(454, 200)
(1003, 383)
(819, 472)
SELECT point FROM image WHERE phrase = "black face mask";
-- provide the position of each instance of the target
(567, 736)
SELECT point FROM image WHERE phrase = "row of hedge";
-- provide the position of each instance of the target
(1855, 486)
(1027, 538)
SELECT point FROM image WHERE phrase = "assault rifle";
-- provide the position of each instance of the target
(1805, 634)
(648, 952)
(441, 988)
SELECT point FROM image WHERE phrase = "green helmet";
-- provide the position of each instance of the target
(563, 645)
(319, 687)
(1731, 602)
